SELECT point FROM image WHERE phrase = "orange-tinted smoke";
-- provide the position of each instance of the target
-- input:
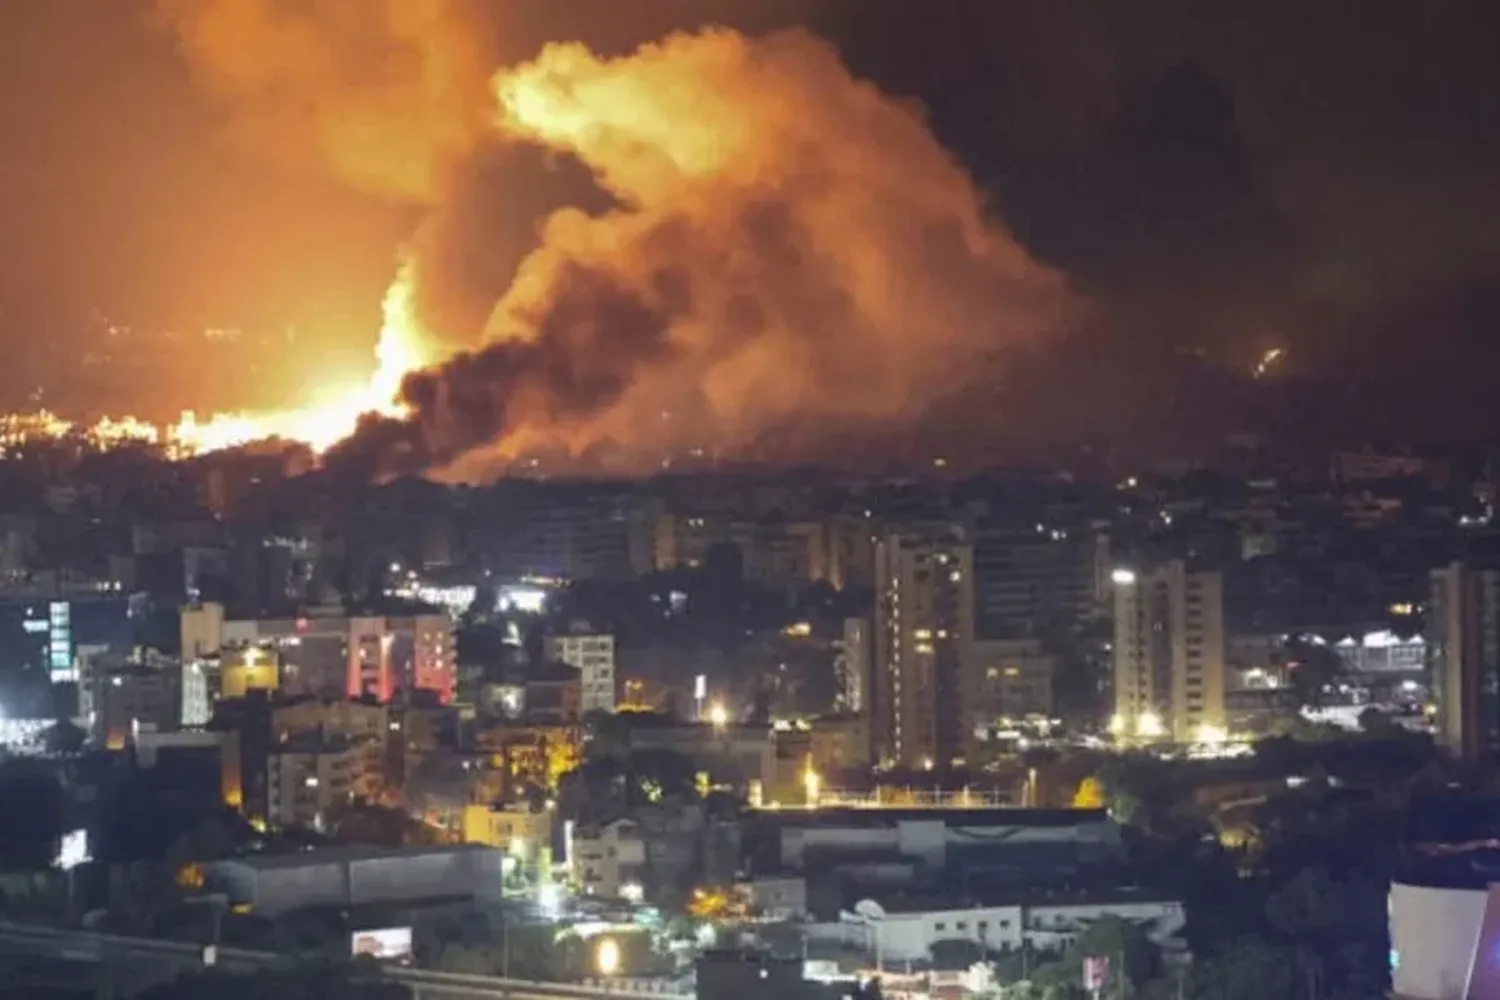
(383, 92)
(792, 245)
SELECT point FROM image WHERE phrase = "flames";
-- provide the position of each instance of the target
(320, 424)
(786, 246)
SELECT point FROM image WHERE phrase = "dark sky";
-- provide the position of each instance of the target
(1223, 175)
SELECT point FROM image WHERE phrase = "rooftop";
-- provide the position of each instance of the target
(355, 853)
(957, 900)
(951, 816)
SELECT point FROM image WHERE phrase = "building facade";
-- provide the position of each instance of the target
(327, 651)
(593, 655)
(924, 682)
(1169, 654)
(1015, 678)
(1463, 649)
(1032, 581)
(311, 777)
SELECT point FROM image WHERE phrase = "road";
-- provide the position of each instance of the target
(152, 961)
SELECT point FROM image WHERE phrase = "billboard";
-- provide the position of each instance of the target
(388, 944)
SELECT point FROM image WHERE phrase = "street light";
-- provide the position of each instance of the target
(812, 784)
(718, 715)
(607, 958)
(1149, 726)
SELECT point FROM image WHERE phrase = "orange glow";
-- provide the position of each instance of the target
(788, 246)
(320, 424)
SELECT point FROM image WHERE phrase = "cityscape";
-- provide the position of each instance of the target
(748, 500)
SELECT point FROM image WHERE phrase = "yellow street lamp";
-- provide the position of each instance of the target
(812, 784)
(607, 957)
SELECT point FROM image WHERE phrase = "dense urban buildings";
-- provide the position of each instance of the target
(909, 718)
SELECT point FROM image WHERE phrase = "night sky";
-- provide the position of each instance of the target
(1215, 177)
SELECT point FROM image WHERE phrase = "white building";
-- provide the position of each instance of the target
(606, 858)
(1169, 655)
(896, 932)
(593, 656)
(197, 693)
(1440, 935)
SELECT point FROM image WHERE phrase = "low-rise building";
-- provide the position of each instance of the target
(553, 695)
(516, 830)
(593, 655)
(1015, 678)
(775, 897)
(606, 858)
(990, 847)
(270, 885)
(897, 929)
(735, 755)
(312, 776)
(133, 695)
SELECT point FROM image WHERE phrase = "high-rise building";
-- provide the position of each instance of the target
(573, 538)
(1016, 678)
(1169, 654)
(922, 696)
(1463, 649)
(1031, 581)
(593, 655)
(851, 666)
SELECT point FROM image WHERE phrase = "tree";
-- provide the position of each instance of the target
(1312, 668)
(1131, 957)
(662, 774)
(33, 804)
(1249, 968)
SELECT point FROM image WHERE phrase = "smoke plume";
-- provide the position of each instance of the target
(778, 243)
(790, 244)
(385, 93)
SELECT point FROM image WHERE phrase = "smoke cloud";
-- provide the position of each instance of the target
(768, 241)
(385, 93)
(790, 244)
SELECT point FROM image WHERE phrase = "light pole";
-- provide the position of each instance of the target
(607, 960)
(812, 784)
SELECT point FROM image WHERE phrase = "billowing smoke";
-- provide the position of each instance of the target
(387, 94)
(781, 243)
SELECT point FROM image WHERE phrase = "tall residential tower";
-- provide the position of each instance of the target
(1169, 654)
(922, 698)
